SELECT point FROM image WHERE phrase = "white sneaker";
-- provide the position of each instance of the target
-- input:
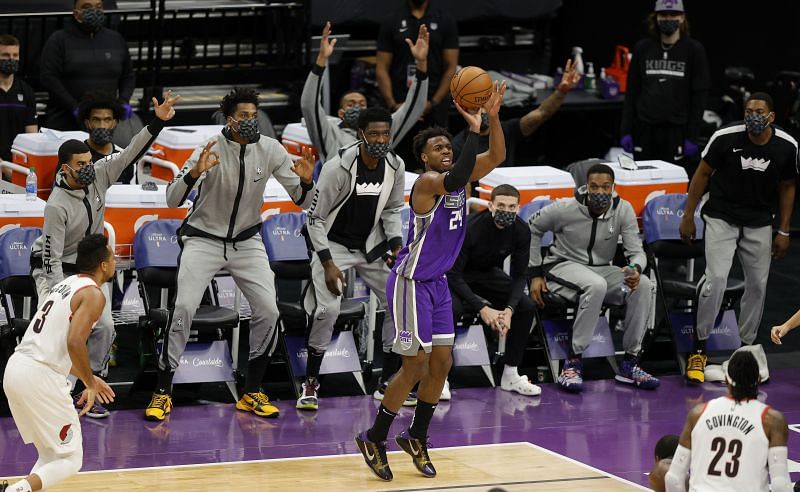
(445, 391)
(522, 385)
(378, 394)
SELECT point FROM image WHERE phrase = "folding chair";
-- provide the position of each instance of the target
(156, 263)
(289, 259)
(661, 219)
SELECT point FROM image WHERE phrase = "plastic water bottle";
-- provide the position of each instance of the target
(589, 80)
(578, 58)
(630, 272)
(30, 185)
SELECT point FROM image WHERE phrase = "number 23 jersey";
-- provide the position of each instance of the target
(729, 447)
(434, 239)
(45, 341)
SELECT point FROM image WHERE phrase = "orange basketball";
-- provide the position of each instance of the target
(471, 87)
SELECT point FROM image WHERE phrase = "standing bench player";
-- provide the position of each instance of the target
(55, 345)
(417, 288)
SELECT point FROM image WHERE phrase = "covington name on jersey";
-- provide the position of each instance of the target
(730, 420)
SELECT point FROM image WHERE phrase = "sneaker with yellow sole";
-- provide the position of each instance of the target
(695, 368)
(160, 406)
(259, 404)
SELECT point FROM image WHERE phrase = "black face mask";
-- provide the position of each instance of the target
(92, 20)
(668, 27)
(9, 67)
(101, 136)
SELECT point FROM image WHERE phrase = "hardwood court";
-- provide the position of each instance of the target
(514, 467)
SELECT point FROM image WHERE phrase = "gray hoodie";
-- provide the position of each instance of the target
(230, 195)
(584, 239)
(335, 185)
(328, 133)
(70, 215)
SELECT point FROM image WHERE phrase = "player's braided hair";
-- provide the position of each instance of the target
(743, 376)
(236, 96)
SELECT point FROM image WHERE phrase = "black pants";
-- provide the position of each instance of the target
(494, 286)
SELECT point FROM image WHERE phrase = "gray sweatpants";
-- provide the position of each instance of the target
(598, 284)
(753, 245)
(323, 305)
(200, 260)
(102, 335)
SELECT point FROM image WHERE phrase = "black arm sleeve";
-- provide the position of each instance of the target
(458, 177)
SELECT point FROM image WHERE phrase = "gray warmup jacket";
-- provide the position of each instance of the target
(70, 215)
(327, 133)
(230, 195)
(581, 238)
(336, 183)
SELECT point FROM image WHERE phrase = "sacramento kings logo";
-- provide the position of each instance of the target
(406, 339)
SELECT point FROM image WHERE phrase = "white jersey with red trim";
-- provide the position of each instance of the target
(729, 447)
(45, 341)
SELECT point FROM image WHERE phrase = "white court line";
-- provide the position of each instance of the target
(272, 460)
(590, 467)
(329, 456)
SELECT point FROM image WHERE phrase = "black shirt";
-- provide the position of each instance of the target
(357, 216)
(401, 26)
(485, 248)
(17, 110)
(512, 132)
(127, 173)
(74, 62)
(667, 86)
(744, 185)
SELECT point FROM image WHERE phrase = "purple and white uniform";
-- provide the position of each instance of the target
(419, 299)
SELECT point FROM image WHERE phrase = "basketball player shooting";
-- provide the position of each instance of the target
(733, 443)
(54, 346)
(419, 299)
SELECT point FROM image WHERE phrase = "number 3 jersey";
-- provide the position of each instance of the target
(434, 239)
(729, 447)
(45, 341)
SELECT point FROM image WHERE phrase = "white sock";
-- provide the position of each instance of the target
(510, 373)
(21, 486)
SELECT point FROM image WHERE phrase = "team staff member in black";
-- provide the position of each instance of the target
(81, 57)
(17, 100)
(745, 167)
(395, 67)
(479, 284)
(668, 82)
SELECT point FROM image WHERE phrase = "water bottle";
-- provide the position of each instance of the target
(578, 59)
(589, 81)
(631, 271)
(30, 185)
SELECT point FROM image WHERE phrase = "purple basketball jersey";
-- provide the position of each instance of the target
(434, 239)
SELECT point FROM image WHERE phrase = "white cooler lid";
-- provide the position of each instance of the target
(187, 137)
(529, 177)
(411, 178)
(46, 142)
(275, 191)
(17, 205)
(133, 196)
(296, 132)
(649, 172)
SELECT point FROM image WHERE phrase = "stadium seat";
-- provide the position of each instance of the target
(17, 287)
(156, 264)
(661, 218)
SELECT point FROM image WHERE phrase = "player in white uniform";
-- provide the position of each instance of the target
(54, 346)
(733, 443)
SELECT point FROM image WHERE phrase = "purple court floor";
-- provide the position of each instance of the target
(610, 426)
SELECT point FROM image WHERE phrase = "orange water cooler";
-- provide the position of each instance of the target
(40, 150)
